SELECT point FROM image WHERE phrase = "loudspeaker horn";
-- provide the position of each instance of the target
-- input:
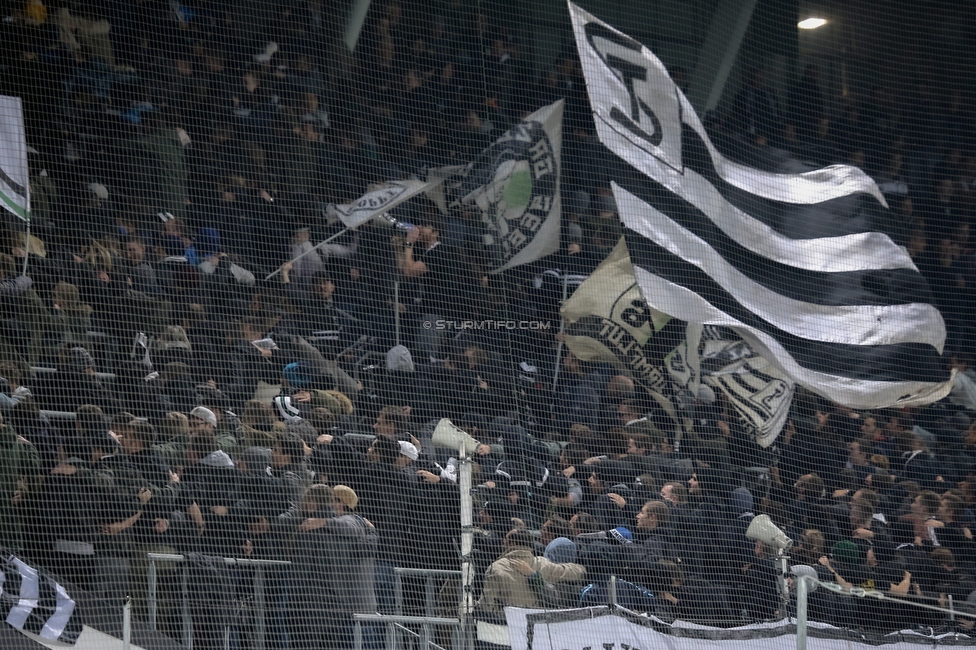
(446, 434)
(763, 529)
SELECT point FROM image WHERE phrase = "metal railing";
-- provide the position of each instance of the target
(260, 605)
(429, 575)
(396, 625)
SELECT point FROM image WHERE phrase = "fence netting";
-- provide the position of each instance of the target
(255, 254)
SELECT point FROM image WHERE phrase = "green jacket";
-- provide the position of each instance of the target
(45, 330)
(9, 475)
(166, 152)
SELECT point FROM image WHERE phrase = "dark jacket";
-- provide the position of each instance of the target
(336, 564)
(214, 481)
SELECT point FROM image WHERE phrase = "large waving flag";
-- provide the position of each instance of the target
(514, 185)
(14, 176)
(31, 601)
(790, 261)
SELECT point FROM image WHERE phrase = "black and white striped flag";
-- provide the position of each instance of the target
(32, 601)
(789, 260)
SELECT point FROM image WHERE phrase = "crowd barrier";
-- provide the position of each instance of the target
(395, 625)
(260, 605)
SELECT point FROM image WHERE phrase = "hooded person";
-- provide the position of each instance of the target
(77, 384)
(564, 594)
(732, 545)
(212, 482)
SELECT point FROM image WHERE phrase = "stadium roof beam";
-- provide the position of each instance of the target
(721, 48)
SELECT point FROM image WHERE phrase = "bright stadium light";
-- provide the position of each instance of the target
(812, 23)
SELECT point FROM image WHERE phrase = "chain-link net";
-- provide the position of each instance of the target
(334, 324)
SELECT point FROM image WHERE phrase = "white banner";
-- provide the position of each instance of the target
(514, 183)
(14, 176)
(594, 630)
(377, 201)
(610, 321)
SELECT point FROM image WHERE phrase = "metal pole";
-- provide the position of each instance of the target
(259, 608)
(357, 635)
(396, 311)
(467, 547)
(151, 573)
(397, 592)
(27, 245)
(613, 591)
(801, 612)
(315, 248)
(187, 621)
(424, 637)
(562, 328)
(429, 596)
(127, 624)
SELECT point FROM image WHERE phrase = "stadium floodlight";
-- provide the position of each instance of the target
(811, 23)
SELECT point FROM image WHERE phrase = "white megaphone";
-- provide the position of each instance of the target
(764, 530)
(448, 435)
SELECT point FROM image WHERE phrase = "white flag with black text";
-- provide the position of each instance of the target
(14, 175)
(609, 321)
(514, 185)
(377, 201)
(787, 257)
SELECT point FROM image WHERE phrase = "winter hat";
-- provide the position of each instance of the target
(269, 51)
(347, 495)
(706, 395)
(408, 450)
(289, 412)
(741, 500)
(561, 551)
(79, 359)
(398, 358)
(205, 414)
(257, 459)
(99, 190)
(298, 374)
(622, 535)
(846, 551)
(207, 242)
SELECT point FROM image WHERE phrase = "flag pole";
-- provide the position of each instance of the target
(396, 311)
(27, 244)
(315, 248)
(562, 328)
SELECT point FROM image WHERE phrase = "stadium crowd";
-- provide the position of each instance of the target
(161, 394)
